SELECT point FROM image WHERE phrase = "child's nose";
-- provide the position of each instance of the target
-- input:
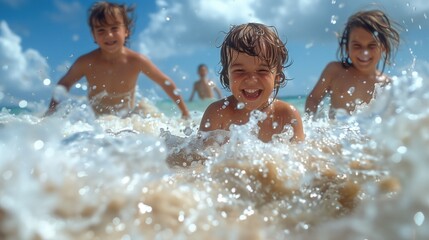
(252, 77)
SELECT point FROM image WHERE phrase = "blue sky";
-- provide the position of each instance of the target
(40, 39)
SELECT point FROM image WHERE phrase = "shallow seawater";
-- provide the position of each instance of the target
(73, 176)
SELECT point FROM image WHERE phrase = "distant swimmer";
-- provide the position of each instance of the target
(204, 86)
(112, 69)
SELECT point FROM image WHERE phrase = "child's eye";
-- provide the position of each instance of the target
(372, 46)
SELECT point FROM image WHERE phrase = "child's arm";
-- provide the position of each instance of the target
(73, 75)
(217, 90)
(212, 119)
(296, 123)
(192, 94)
(150, 70)
(321, 88)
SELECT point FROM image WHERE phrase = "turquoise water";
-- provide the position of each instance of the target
(167, 106)
(74, 176)
(199, 107)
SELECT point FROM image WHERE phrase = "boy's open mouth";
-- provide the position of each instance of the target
(251, 94)
(364, 59)
(110, 43)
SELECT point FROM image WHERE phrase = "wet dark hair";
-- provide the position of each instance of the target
(201, 66)
(378, 24)
(257, 40)
(99, 12)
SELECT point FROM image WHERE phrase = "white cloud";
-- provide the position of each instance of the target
(183, 27)
(14, 3)
(22, 71)
(67, 11)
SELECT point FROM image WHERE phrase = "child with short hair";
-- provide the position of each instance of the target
(112, 69)
(253, 59)
(204, 87)
(368, 37)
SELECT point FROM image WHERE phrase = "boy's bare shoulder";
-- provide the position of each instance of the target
(219, 105)
(334, 67)
(133, 55)
(285, 108)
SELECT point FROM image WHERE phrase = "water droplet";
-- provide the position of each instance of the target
(334, 19)
(38, 145)
(47, 82)
(181, 217)
(334, 1)
(22, 104)
(207, 125)
(402, 150)
(176, 92)
(192, 228)
(71, 55)
(143, 208)
(167, 83)
(378, 120)
(167, 18)
(275, 125)
(419, 218)
(351, 91)
(240, 105)
(178, 101)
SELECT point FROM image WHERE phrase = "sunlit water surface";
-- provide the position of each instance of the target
(72, 176)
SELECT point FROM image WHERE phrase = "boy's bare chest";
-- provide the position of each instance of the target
(348, 91)
(112, 78)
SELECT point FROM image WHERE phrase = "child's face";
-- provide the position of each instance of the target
(364, 50)
(251, 80)
(202, 71)
(110, 37)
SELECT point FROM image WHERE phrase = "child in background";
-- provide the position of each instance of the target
(112, 69)
(252, 59)
(368, 37)
(204, 87)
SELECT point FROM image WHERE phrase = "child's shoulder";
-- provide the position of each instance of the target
(136, 56)
(335, 66)
(221, 104)
(282, 107)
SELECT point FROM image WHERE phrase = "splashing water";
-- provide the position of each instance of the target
(73, 176)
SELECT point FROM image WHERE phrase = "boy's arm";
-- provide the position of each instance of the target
(296, 123)
(319, 91)
(73, 75)
(218, 92)
(192, 94)
(211, 119)
(150, 70)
